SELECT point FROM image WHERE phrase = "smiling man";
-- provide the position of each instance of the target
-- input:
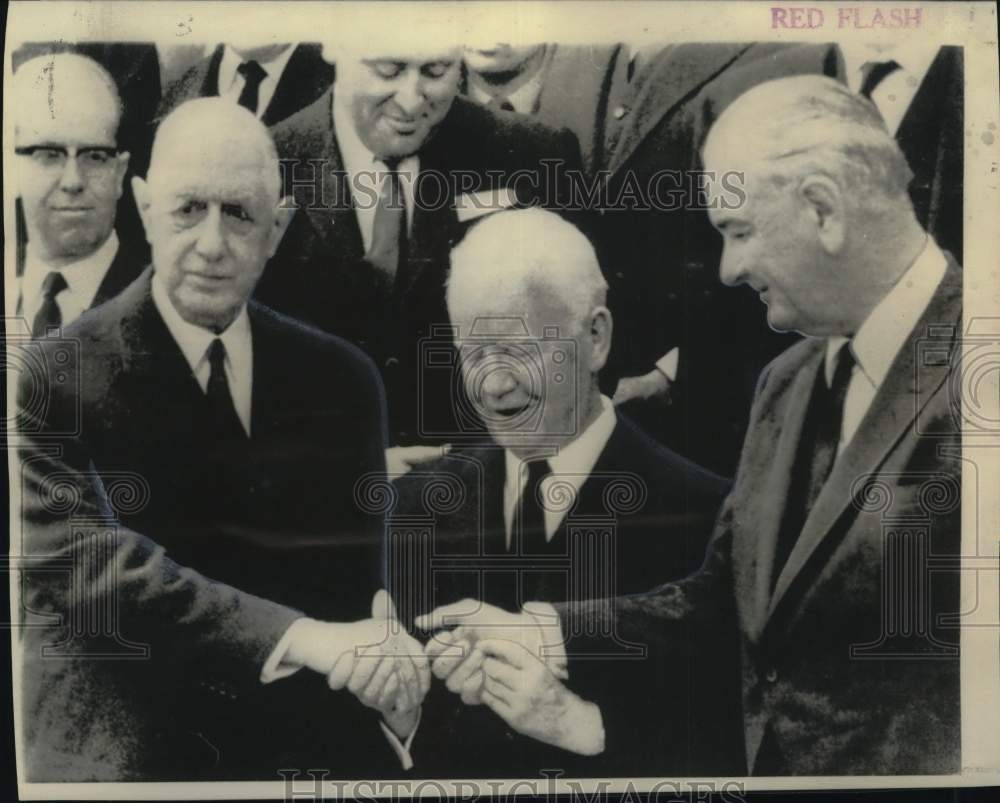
(244, 557)
(69, 179)
(818, 570)
(527, 299)
(387, 168)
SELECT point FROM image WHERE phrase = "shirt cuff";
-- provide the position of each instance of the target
(276, 667)
(667, 364)
(551, 639)
(402, 749)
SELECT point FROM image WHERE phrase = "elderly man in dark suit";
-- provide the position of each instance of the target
(271, 80)
(839, 617)
(70, 174)
(387, 168)
(228, 430)
(570, 497)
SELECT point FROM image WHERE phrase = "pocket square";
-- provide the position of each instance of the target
(472, 205)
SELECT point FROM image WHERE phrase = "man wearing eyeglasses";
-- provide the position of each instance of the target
(70, 176)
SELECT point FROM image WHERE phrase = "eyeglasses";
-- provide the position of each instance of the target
(90, 160)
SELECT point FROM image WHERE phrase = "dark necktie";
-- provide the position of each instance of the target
(220, 400)
(252, 74)
(817, 454)
(388, 246)
(873, 73)
(529, 516)
(501, 103)
(49, 316)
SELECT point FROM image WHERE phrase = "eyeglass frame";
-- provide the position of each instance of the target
(110, 151)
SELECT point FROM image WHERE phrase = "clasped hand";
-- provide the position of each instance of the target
(495, 657)
(375, 659)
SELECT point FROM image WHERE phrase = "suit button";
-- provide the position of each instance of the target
(619, 274)
(771, 676)
(391, 362)
(619, 112)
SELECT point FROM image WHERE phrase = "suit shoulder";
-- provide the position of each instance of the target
(306, 341)
(508, 132)
(306, 131)
(654, 461)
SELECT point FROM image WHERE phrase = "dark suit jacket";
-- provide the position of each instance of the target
(319, 274)
(932, 138)
(213, 548)
(835, 664)
(123, 270)
(661, 262)
(661, 508)
(306, 76)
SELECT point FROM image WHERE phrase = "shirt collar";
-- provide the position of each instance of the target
(576, 459)
(524, 98)
(884, 332)
(194, 340)
(231, 60)
(354, 152)
(914, 58)
(83, 277)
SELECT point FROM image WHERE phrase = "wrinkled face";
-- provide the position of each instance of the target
(397, 101)
(69, 172)
(499, 58)
(526, 367)
(211, 222)
(770, 243)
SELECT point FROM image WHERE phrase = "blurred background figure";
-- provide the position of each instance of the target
(70, 175)
(272, 80)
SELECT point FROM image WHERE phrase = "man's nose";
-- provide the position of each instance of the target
(71, 179)
(211, 238)
(731, 268)
(410, 95)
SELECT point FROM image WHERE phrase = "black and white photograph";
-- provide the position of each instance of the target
(483, 399)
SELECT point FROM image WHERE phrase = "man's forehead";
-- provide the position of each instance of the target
(66, 123)
(407, 55)
(249, 185)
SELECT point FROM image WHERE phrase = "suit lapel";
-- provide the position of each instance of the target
(121, 273)
(784, 430)
(302, 79)
(210, 83)
(890, 418)
(676, 73)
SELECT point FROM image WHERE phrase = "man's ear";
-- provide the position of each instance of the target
(121, 167)
(140, 189)
(282, 217)
(825, 203)
(601, 325)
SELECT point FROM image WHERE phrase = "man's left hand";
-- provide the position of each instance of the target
(519, 688)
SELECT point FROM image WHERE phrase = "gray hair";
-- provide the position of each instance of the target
(812, 124)
(514, 254)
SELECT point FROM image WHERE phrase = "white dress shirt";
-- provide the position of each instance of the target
(194, 342)
(883, 334)
(83, 280)
(896, 91)
(365, 172)
(570, 468)
(231, 83)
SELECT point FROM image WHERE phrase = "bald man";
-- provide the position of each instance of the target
(242, 571)
(70, 175)
(533, 331)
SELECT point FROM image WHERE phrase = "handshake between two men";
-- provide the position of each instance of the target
(490, 657)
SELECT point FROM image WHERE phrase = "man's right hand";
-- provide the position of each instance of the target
(375, 659)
